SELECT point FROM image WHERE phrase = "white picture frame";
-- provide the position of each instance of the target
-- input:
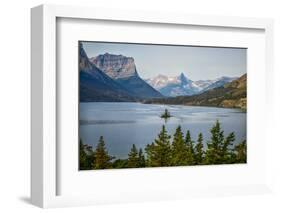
(44, 149)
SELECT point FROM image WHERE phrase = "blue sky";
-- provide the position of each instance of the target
(197, 63)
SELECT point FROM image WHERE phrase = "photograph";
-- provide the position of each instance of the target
(161, 105)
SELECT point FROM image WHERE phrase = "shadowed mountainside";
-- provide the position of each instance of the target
(123, 70)
(97, 86)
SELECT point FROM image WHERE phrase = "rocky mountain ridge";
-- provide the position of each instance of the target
(183, 86)
(115, 66)
(123, 70)
(230, 95)
(114, 78)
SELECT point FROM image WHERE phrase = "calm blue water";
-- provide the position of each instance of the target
(122, 124)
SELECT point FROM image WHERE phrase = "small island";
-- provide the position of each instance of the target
(166, 114)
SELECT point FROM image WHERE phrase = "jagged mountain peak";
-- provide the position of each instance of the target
(181, 85)
(182, 75)
(184, 80)
(113, 56)
(162, 80)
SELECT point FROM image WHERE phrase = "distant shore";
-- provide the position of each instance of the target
(242, 108)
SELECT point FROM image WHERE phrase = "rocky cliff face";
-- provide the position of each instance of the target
(123, 70)
(115, 66)
(97, 86)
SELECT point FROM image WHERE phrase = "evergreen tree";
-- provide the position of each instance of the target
(102, 158)
(241, 152)
(86, 156)
(179, 149)
(227, 152)
(141, 160)
(120, 163)
(82, 156)
(214, 150)
(199, 152)
(150, 153)
(159, 152)
(133, 157)
(190, 149)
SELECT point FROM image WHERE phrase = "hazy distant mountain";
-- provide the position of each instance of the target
(231, 95)
(218, 82)
(123, 70)
(97, 86)
(183, 86)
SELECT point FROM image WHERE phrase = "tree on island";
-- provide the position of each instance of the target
(166, 114)
(102, 157)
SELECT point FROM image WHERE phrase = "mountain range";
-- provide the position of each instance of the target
(114, 78)
(230, 95)
(183, 86)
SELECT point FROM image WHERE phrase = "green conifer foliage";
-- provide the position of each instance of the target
(86, 156)
(182, 151)
(159, 152)
(199, 152)
(82, 156)
(226, 152)
(133, 157)
(179, 149)
(102, 158)
(213, 153)
(141, 159)
(120, 163)
(241, 152)
(190, 149)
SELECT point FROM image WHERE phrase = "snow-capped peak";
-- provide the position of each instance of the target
(161, 81)
(181, 85)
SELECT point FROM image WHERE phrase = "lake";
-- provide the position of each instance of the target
(123, 124)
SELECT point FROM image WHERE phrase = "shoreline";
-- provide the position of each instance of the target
(165, 104)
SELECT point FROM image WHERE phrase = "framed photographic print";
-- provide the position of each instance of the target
(178, 104)
(141, 117)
